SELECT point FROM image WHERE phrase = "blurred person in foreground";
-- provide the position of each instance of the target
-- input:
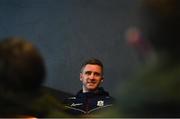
(92, 99)
(22, 72)
(155, 90)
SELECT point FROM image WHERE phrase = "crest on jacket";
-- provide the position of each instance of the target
(100, 103)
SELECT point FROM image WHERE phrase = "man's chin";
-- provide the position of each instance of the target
(92, 88)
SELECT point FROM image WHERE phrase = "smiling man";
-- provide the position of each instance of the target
(91, 76)
(92, 98)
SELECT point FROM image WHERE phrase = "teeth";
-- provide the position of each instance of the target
(91, 83)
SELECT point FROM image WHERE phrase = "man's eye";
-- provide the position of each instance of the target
(97, 74)
(88, 73)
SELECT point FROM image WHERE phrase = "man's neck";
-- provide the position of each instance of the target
(84, 90)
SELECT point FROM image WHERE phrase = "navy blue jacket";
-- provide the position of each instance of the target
(88, 103)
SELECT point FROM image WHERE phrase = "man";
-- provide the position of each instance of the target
(154, 92)
(92, 98)
(22, 72)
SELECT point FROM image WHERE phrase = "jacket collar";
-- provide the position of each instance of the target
(100, 92)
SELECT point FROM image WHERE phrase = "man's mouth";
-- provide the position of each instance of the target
(91, 83)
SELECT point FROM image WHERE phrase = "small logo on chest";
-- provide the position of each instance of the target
(100, 103)
(76, 104)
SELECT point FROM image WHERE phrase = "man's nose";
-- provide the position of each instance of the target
(91, 76)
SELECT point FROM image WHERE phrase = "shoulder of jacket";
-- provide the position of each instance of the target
(106, 97)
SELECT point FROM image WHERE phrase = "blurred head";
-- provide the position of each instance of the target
(159, 24)
(91, 74)
(21, 65)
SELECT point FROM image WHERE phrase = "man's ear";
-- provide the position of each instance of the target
(102, 79)
(80, 76)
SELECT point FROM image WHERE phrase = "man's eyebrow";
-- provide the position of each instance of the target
(97, 73)
(88, 71)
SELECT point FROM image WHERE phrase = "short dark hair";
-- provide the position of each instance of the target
(22, 67)
(93, 61)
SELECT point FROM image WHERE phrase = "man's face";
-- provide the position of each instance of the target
(91, 77)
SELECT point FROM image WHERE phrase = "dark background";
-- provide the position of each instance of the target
(69, 31)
